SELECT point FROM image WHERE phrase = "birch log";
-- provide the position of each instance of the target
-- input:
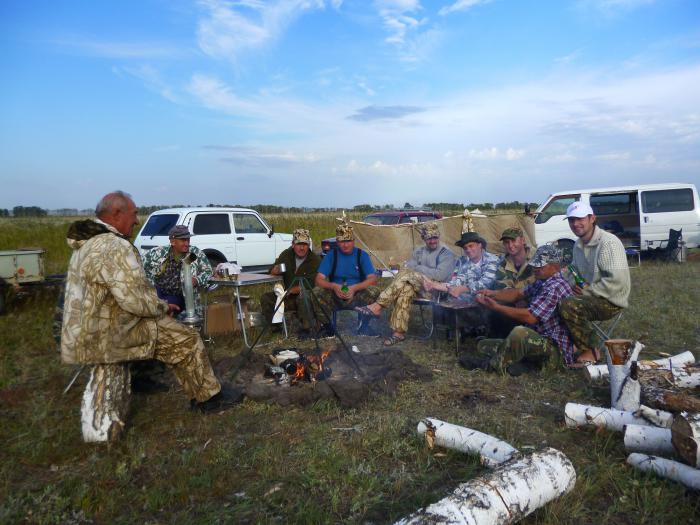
(492, 451)
(598, 372)
(648, 440)
(685, 434)
(625, 391)
(666, 468)
(659, 391)
(105, 403)
(504, 495)
(577, 415)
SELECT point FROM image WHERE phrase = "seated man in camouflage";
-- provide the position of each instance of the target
(346, 278)
(513, 272)
(164, 268)
(434, 260)
(301, 263)
(543, 335)
(113, 315)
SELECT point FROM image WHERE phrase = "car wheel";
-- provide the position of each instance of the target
(215, 259)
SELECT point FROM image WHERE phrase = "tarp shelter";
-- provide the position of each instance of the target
(389, 245)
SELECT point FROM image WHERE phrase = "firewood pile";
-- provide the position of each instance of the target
(657, 406)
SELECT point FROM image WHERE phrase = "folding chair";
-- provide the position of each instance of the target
(673, 247)
(603, 334)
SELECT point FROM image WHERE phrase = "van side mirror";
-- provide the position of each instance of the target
(271, 232)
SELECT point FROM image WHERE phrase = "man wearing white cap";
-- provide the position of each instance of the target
(600, 258)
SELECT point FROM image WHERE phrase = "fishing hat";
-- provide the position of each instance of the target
(428, 230)
(579, 209)
(301, 235)
(545, 254)
(179, 232)
(468, 237)
(343, 232)
(511, 233)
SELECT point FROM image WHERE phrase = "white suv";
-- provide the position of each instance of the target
(237, 235)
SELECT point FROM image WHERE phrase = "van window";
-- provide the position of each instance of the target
(612, 204)
(248, 223)
(557, 206)
(660, 201)
(211, 223)
(159, 225)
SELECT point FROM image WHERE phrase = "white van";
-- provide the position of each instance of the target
(641, 216)
(237, 235)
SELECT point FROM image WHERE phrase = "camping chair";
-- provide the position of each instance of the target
(604, 334)
(673, 246)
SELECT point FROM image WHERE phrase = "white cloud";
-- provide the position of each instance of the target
(397, 17)
(461, 5)
(119, 50)
(216, 95)
(151, 79)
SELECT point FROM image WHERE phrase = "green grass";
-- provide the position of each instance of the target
(260, 463)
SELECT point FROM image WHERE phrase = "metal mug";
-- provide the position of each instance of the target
(282, 267)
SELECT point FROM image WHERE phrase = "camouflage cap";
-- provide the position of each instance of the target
(429, 230)
(301, 235)
(343, 232)
(545, 254)
(511, 233)
(179, 232)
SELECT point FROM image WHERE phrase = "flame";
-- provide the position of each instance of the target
(309, 367)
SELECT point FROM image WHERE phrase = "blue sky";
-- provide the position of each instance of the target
(343, 102)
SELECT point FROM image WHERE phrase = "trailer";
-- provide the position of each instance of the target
(20, 270)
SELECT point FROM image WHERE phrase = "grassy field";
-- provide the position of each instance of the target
(260, 463)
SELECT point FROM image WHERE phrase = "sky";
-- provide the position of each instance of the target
(344, 102)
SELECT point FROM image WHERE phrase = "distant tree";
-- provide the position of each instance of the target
(363, 207)
(4, 212)
(407, 205)
(28, 211)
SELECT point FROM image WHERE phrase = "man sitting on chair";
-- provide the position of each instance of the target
(434, 260)
(346, 277)
(600, 258)
(299, 262)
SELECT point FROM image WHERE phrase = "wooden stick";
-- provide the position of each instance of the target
(666, 468)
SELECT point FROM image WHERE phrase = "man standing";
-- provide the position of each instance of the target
(600, 258)
(164, 268)
(434, 260)
(300, 262)
(346, 277)
(513, 272)
(527, 347)
(113, 315)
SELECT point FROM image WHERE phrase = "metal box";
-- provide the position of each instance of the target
(22, 266)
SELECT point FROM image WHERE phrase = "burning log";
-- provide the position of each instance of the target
(685, 435)
(666, 468)
(506, 494)
(105, 403)
(492, 451)
(648, 440)
(577, 415)
(598, 372)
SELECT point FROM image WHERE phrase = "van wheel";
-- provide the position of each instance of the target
(567, 249)
(215, 259)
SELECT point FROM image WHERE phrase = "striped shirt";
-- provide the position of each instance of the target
(475, 276)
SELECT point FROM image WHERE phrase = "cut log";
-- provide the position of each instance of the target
(685, 434)
(598, 372)
(648, 440)
(492, 451)
(666, 468)
(577, 415)
(506, 494)
(625, 391)
(668, 397)
(105, 403)
(686, 376)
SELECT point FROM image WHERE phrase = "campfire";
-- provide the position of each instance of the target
(290, 367)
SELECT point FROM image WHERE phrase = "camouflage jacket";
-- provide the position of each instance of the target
(155, 259)
(507, 276)
(110, 309)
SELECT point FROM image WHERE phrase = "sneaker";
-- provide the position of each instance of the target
(225, 399)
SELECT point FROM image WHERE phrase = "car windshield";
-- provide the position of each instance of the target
(159, 225)
(382, 219)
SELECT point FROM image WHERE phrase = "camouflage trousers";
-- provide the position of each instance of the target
(292, 303)
(578, 311)
(181, 348)
(399, 295)
(330, 302)
(522, 344)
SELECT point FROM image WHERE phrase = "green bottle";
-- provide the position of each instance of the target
(344, 288)
(578, 278)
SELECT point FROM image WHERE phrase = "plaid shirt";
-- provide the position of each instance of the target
(475, 276)
(544, 297)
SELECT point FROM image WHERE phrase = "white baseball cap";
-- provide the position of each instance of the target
(579, 209)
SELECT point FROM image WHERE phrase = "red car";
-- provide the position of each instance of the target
(388, 218)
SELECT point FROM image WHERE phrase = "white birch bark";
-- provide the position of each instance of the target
(666, 468)
(577, 415)
(685, 434)
(504, 495)
(492, 451)
(105, 403)
(598, 372)
(648, 440)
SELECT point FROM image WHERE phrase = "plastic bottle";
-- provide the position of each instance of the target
(578, 278)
